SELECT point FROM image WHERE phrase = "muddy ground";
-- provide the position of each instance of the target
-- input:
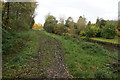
(56, 67)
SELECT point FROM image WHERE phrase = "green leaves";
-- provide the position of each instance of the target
(18, 15)
(108, 31)
(50, 24)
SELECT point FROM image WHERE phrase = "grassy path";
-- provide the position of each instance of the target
(46, 55)
(40, 57)
(26, 62)
(84, 59)
(50, 49)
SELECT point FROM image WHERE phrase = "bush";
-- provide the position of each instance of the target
(77, 31)
(50, 28)
(108, 31)
(72, 31)
(82, 33)
(92, 31)
(60, 29)
(50, 24)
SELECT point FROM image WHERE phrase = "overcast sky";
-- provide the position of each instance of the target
(91, 9)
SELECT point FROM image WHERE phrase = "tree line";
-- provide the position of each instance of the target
(102, 28)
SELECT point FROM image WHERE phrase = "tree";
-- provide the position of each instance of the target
(50, 23)
(69, 22)
(89, 23)
(37, 26)
(18, 15)
(60, 29)
(81, 23)
(61, 19)
(109, 31)
(100, 22)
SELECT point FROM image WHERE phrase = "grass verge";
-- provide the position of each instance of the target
(114, 41)
(84, 59)
(22, 61)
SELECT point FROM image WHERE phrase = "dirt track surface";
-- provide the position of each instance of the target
(56, 67)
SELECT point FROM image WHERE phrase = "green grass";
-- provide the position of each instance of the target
(82, 37)
(83, 59)
(81, 62)
(116, 40)
(23, 62)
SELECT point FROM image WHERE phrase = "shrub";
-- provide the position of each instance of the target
(49, 28)
(92, 31)
(72, 31)
(77, 31)
(108, 31)
(60, 29)
(82, 33)
(50, 24)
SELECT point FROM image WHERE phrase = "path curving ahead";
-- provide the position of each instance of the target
(56, 67)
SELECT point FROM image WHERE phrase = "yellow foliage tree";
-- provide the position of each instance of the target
(36, 26)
